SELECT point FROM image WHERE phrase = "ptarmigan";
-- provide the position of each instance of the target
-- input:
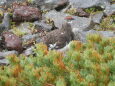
(58, 38)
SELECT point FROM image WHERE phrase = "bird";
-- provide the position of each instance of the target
(58, 38)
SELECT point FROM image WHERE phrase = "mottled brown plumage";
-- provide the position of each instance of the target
(59, 37)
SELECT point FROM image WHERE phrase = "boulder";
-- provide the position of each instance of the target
(82, 23)
(11, 41)
(25, 13)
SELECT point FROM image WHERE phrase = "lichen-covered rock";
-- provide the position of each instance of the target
(58, 38)
(11, 41)
(29, 39)
(23, 29)
(25, 13)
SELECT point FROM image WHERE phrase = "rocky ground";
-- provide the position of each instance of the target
(53, 22)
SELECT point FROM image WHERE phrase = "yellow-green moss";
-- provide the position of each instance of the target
(107, 23)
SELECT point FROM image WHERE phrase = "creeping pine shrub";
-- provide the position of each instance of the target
(88, 64)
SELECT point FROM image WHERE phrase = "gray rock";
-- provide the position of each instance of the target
(1, 57)
(57, 17)
(107, 33)
(4, 54)
(24, 28)
(2, 2)
(4, 62)
(43, 25)
(97, 27)
(89, 3)
(38, 40)
(103, 33)
(110, 10)
(5, 25)
(1, 14)
(6, 21)
(81, 35)
(28, 51)
(82, 23)
(8, 2)
(2, 28)
(54, 3)
(97, 17)
(14, 0)
(29, 39)
(50, 4)
(38, 2)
